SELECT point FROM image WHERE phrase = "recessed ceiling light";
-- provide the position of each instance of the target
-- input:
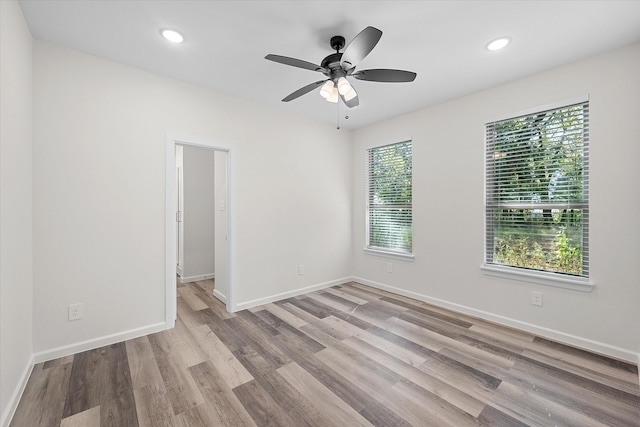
(498, 43)
(172, 35)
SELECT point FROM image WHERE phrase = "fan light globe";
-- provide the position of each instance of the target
(343, 86)
(334, 96)
(327, 89)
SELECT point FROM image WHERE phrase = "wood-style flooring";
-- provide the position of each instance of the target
(346, 356)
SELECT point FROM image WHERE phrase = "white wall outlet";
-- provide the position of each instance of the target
(75, 311)
(301, 270)
(389, 267)
(536, 298)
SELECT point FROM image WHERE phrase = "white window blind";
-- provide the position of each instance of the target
(389, 201)
(537, 191)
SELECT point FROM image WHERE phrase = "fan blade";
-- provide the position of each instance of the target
(385, 75)
(295, 62)
(303, 90)
(360, 47)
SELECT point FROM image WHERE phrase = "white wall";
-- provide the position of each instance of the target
(448, 147)
(199, 214)
(16, 243)
(99, 172)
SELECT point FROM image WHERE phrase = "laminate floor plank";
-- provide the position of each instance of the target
(594, 362)
(187, 345)
(180, 386)
(270, 386)
(335, 302)
(339, 292)
(57, 362)
(205, 293)
(314, 308)
(43, 401)
(347, 355)
(438, 381)
(573, 370)
(120, 411)
(285, 315)
(323, 399)
(231, 370)
(189, 295)
(98, 377)
(197, 416)
(262, 407)
(259, 339)
(451, 320)
(88, 418)
(293, 339)
(153, 406)
(223, 406)
(421, 407)
(404, 354)
(377, 386)
(344, 389)
(539, 410)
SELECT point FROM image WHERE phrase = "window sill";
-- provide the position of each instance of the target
(539, 277)
(390, 254)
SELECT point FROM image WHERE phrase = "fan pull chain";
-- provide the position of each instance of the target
(338, 116)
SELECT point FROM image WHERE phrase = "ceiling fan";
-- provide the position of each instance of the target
(338, 66)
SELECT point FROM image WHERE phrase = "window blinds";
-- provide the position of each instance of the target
(389, 201)
(537, 190)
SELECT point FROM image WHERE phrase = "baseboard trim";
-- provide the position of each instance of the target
(54, 353)
(222, 297)
(569, 339)
(196, 278)
(10, 410)
(284, 295)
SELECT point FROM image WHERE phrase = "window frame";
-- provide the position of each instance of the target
(377, 250)
(549, 278)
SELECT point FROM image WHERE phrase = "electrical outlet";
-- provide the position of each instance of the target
(389, 267)
(301, 270)
(536, 298)
(75, 311)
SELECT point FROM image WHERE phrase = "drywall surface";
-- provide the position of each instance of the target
(16, 247)
(199, 215)
(448, 216)
(99, 194)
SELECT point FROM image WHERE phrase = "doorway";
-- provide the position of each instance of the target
(196, 211)
(224, 154)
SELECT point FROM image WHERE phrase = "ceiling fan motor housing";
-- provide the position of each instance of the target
(332, 62)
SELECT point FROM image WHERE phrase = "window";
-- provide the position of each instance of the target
(389, 200)
(537, 181)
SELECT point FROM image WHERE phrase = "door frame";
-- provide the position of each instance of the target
(172, 139)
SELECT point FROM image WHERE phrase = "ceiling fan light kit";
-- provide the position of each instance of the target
(334, 96)
(343, 86)
(338, 66)
(327, 89)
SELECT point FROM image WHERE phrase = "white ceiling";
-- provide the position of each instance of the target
(442, 41)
